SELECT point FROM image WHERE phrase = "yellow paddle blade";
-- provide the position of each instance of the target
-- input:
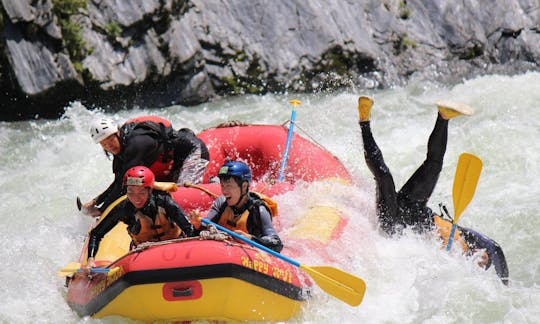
(467, 175)
(74, 267)
(338, 283)
(69, 269)
(165, 186)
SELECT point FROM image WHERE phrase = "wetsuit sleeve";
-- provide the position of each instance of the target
(140, 150)
(102, 228)
(213, 214)
(477, 240)
(177, 215)
(269, 236)
(216, 209)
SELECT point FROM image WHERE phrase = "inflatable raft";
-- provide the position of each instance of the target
(262, 148)
(192, 279)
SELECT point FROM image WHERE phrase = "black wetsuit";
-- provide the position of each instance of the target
(142, 147)
(259, 222)
(408, 207)
(125, 212)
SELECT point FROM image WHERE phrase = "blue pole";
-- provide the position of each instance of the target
(289, 139)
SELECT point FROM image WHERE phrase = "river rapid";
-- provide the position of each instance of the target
(46, 164)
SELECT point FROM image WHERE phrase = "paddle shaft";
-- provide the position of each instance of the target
(288, 143)
(250, 242)
(203, 189)
(451, 237)
(344, 286)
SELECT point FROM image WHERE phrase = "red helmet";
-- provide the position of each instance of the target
(139, 176)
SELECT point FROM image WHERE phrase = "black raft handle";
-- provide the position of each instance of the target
(182, 292)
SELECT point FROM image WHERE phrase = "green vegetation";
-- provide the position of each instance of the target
(404, 11)
(473, 52)
(233, 84)
(72, 39)
(252, 82)
(402, 43)
(408, 43)
(113, 30)
(335, 61)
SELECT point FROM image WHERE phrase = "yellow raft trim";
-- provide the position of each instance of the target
(231, 300)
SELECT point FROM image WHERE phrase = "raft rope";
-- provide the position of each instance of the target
(210, 234)
(308, 135)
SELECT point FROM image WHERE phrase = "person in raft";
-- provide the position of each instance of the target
(408, 207)
(239, 210)
(173, 156)
(149, 217)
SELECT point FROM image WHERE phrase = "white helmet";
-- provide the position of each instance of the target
(102, 128)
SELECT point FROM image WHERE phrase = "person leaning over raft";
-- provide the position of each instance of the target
(150, 217)
(173, 156)
(240, 210)
(408, 207)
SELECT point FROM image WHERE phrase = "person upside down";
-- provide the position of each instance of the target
(407, 208)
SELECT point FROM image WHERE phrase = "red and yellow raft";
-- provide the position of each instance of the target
(192, 279)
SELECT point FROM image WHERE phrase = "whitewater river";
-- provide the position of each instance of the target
(46, 164)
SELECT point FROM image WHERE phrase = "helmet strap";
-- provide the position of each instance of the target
(242, 193)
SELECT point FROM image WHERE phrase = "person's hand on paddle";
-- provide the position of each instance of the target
(89, 208)
(195, 218)
(90, 263)
(244, 234)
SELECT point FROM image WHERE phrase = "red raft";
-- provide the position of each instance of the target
(262, 148)
(192, 279)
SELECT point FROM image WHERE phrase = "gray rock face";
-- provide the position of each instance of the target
(155, 53)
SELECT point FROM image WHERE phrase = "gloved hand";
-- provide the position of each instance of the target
(213, 234)
(195, 218)
(89, 208)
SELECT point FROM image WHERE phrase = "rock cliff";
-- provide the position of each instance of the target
(117, 54)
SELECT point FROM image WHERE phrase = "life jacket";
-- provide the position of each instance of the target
(228, 220)
(444, 227)
(158, 128)
(160, 230)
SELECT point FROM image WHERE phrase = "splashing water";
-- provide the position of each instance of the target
(44, 165)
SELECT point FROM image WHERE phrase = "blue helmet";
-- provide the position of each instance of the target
(239, 170)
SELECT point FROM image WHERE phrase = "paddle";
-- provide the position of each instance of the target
(203, 189)
(73, 267)
(294, 103)
(340, 284)
(467, 175)
(79, 203)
